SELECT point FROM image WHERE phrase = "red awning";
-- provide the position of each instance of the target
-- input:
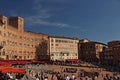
(4, 64)
(14, 62)
(36, 61)
(12, 70)
(73, 60)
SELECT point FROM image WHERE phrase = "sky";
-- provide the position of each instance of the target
(96, 20)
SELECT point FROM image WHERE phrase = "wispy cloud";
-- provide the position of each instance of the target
(34, 20)
(41, 16)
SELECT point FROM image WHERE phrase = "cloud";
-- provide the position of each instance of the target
(41, 16)
(34, 20)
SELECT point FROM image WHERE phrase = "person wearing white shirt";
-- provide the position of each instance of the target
(67, 78)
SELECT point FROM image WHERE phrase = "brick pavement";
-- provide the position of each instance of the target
(60, 69)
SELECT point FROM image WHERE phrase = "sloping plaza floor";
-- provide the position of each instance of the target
(35, 69)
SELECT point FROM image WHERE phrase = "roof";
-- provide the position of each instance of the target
(53, 36)
(114, 41)
(95, 42)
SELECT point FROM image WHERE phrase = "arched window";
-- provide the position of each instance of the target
(3, 52)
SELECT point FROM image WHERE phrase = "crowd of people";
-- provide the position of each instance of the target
(60, 72)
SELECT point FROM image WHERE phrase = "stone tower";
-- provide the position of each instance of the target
(17, 22)
(3, 21)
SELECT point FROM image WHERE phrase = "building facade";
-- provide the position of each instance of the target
(63, 48)
(17, 44)
(106, 57)
(115, 46)
(90, 51)
(111, 44)
(79, 47)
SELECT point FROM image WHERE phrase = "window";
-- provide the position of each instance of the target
(52, 54)
(3, 52)
(20, 37)
(3, 43)
(51, 44)
(20, 44)
(52, 40)
(20, 57)
(67, 54)
(56, 44)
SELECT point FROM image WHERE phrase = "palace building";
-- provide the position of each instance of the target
(17, 44)
(63, 48)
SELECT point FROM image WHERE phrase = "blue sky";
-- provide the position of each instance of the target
(97, 20)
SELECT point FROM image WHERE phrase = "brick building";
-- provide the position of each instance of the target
(111, 55)
(111, 44)
(90, 51)
(106, 57)
(116, 55)
(17, 44)
(115, 46)
(79, 47)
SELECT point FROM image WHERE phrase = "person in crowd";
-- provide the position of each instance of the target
(86, 77)
(67, 78)
(73, 77)
(45, 77)
(59, 77)
(37, 78)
